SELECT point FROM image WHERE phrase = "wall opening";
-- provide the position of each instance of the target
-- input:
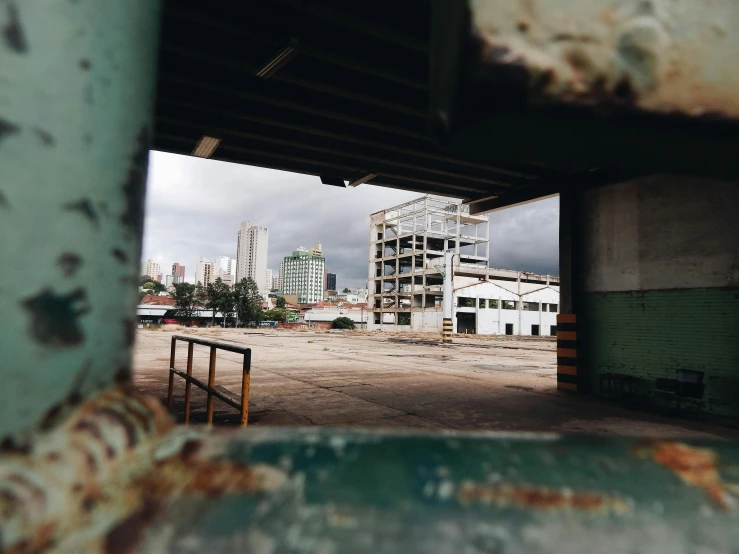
(509, 328)
(534, 330)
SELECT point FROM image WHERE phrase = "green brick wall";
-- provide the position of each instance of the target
(654, 333)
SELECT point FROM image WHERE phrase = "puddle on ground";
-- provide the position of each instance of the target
(442, 357)
(518, 387)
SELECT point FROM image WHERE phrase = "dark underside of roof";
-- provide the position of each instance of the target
(351, 102)
(388, 93)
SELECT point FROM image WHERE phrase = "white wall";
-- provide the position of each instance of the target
(427, 321)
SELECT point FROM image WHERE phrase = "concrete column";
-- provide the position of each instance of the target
(570, 367)
(77, 99)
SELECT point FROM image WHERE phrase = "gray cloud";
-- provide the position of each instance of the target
(194, 208)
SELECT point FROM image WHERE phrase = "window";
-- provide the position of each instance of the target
(534, 330)
(553, 307)
(509, 305)
(553, 330)
(483, 303)
(509, 328)
(493, 304)
(465, 302)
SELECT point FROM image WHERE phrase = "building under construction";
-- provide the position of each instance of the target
(406, 258)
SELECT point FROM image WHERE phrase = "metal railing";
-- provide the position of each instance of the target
(240, 403)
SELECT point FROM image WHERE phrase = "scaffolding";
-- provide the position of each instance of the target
(407, 244)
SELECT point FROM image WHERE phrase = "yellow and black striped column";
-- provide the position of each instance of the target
(567, 352)
(447, 330)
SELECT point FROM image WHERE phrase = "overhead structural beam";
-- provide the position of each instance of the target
(333, 181)
(238, 65)
(295, 106)
(372, 29)
(549, 189)
(374, 161)
(493, 172)
(367, 178)
(318, 53)
(281, 57)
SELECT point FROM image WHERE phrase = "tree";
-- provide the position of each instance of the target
(248, 301)
(276, 314)
(346, 290)
(201, 296)
(148, 283)
(184, 302)
(215, 295)
(342, 323)
(281, 302)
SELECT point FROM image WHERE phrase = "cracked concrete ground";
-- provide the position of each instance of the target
(395, 380)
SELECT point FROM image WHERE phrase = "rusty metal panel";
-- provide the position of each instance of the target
(117, 478)
(76, 94)
(663, 56)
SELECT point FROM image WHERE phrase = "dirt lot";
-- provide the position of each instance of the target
(400, 380)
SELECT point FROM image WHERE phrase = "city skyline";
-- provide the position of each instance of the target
(183, 223)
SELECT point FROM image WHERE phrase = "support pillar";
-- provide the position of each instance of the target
(77, 97)
(448, 326)
(569, 376)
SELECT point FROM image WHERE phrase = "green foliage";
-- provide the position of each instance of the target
(248, 301)
(281, 302)
(219, 298)
(509, 305)
(342, 323)
(184, 301)
(466, 303)
(346, 290)
(404, 319)
(148, 283)
(493, 304)
(276, 314)
(201, 296)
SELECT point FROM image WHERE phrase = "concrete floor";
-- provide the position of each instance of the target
(400, 380)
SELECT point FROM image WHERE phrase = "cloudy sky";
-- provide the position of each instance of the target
(194, 208)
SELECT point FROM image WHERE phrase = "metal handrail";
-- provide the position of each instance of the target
(240, 403)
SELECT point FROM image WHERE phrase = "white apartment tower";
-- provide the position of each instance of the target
(204, 272)
(280, 275)
(223, 265)
(303, 274)
(151, 269)
(268, 279)
(251, 255)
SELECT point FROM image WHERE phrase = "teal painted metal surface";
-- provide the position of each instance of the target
(76, 98)
(333, 490)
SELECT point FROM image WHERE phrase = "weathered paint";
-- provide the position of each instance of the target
(56, 487)
(109, 481)
(663, 56)
(77, 92)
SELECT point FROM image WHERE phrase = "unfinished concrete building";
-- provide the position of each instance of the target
(407, 245)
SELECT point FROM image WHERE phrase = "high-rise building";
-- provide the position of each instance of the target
(275, 283)
(178, 273)
(330, 281)
(223, 265)
(204, 272)
(303, 275)
(251, 254)
(150, 268)
(168, 280)
(280, 275)
(268, 279)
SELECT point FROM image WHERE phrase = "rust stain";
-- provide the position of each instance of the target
(697, 467)
(541, 498)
